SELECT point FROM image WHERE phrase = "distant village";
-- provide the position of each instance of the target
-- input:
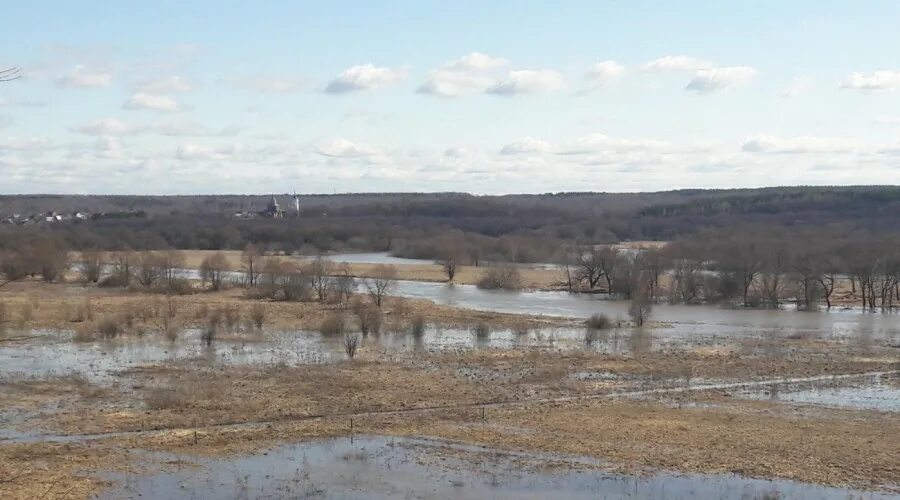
(272, 211)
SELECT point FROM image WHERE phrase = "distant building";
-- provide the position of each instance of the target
(273, 210)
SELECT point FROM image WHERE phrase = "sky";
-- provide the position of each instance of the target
(207, 97)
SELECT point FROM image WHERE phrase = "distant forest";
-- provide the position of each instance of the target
(518, 228)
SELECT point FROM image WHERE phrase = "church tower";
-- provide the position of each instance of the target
(296, 204)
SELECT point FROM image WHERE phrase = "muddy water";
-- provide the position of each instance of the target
(383, 467)
(881, 393)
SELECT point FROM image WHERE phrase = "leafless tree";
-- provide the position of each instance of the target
(212, 270)
(149, 269)
(91, 265)
(382, 280)
(170, 263)
(319, 272)
(641, 308)
(122, 268)
(51, 259)
(498, 277)
(344, 283)
(250, 264)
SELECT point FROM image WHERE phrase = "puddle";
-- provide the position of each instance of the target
(384, 467)
(880, 393)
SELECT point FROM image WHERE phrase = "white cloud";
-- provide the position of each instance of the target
(594, 143)
(883, 80)
(143, 100)
(364, 77)
(676, 63)
(170, 85)
(25, 143)
(474, 72)
(798, 145)
(603, 72)
(525, 145)
(82, 77)
(706, 81)
(197, 152)
(343, 148)
(270, 84)
(527, 81)
(105, 126)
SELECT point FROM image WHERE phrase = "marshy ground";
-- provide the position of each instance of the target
(82, 413)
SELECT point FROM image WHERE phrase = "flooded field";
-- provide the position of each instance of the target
(881, 393)
(387, 467)
(837, 323)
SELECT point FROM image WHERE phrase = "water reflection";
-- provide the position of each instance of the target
(384, 467)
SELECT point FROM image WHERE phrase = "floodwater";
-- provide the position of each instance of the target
(51, 353)
(55, 354)
(684, 320)
(386, 258)
(387, 467)
(699, 320)
(881, 393)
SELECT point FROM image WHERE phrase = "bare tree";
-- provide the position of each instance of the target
(319, 272)
(91, 265)
(250, 264)
(149, 269)
(449, 265)
(344, 283)
(170, 263)
(51, 258)
(641, 308)
(212, 270)
(122, 268)
(500, 278)
(383, 279)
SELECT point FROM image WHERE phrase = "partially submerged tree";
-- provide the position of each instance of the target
(213, 269)
(382, 280)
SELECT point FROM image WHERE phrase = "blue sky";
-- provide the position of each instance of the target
(486, 97)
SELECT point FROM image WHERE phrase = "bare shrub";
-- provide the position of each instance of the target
(500, 278)
(171, 307)
(417, 326)
(640, 309)
(590, 336)
(351, 344)
(598, 321)
(482, 331)
(368, 316)
(162, 398)
(83, 333)
(211, 327)
(4, 312)
(232, 317)
(109, 328)
(332, 325)
(258, 315)
(521, 328)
